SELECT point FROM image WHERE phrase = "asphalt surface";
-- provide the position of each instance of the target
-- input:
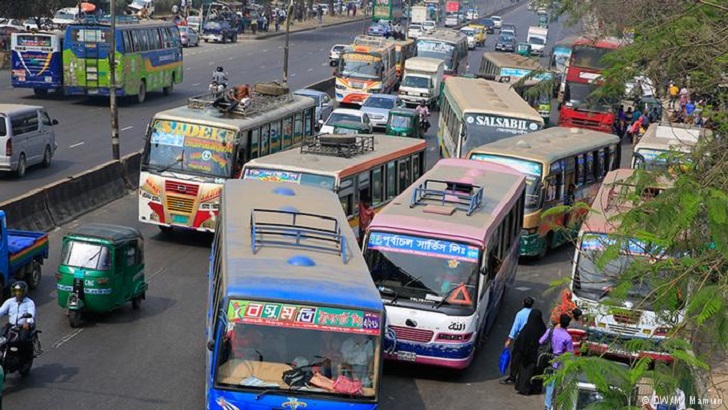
(154, 358)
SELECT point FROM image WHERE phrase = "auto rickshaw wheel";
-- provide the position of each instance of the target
(33, 275)
(74, 318)
(136, 303)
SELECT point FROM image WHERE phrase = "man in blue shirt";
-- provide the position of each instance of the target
(518, 323)
(18, 306)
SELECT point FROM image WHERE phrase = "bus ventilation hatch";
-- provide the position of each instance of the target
(465, 197)
(346, 146)
(281, 228)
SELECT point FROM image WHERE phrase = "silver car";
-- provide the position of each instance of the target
(188, 36)
(377, 106)
(324, 103)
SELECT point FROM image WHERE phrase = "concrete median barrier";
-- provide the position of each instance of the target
(29, 211)
(130, 166)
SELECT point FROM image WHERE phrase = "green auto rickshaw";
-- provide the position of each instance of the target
(351, 127)
(101, 268)
(543, 21)
(523, 49)
(403, 122)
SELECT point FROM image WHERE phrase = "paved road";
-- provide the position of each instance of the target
(154, 358)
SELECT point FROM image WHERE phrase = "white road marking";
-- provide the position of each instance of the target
(155, 274)
(195, 84)
(231, 58)
(431, 149)
(293, 75)
(310, 69)
(66, 338)
(523, 288)
(188, 69)
(265, 50)
(76, 145)
(324, 64)
(127, 128)
(280, 47)
(262, 67)
(211, 63)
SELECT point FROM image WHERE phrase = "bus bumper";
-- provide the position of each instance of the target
(454, 356)
(93, 91)
(610, 345)
(531, 244)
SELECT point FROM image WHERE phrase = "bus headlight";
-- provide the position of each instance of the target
(340, 87)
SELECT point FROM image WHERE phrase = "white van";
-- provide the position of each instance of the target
(26, 138)
(66, 16)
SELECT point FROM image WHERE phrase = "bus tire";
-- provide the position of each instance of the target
(546, 245)
(169, 89)
(142, 94)
(40, 92)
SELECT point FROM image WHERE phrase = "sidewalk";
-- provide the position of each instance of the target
(305, 25)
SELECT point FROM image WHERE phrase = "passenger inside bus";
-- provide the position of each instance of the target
(357, 352)
(244, 340)
(331, 355)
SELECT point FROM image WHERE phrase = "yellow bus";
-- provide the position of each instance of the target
(365, 67)
(509, 68)
(403, 49)
(357, 167)
(474, 112)
(562, 165)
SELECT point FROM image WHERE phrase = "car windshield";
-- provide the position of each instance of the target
(488, 22)
(537, 41)
(86, 255)
(423, 270)
(416, 82)
(338, 117)
(294, 177)
(532, 170)
(579, 97)
(139, 3)
(399, 121)
(337, 49)
(190, 148)
(379, 102)
(428, 24)
(415, 27)
(264, 341)
(358, 65)
(468, 32)
(212, 25)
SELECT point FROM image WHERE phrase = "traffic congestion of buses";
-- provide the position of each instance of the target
(330, 227)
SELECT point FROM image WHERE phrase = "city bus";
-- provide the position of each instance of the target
(664, 143)
(148, 56)
(509, 68)
(580, 107)
(370, 168)
(611, 326)
(293, 319)
(553, 160)
(403, 49)
(474, 112)
(390, 10)
(559, 61)
(365, 67)
(448, 45)
(189, 152)
(37, 61)
(443, 254)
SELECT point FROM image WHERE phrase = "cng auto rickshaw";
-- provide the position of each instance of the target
(523, 49)
(101, 268)
(403, 122)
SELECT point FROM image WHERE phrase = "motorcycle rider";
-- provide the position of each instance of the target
(220, 76)
(423, 113)
(15, 308)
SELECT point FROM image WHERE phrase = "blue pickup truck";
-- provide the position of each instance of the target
(21, 255)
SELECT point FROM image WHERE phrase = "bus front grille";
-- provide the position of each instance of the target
(583, 122)
(624, 330)
(181, 188)
(180, 204)
(413, 335)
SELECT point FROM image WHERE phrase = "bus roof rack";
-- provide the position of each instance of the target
(258, 103)
(466, 197)
(122, 19)
(268, 227)
(346, 146)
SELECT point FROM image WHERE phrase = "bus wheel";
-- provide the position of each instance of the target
(546, 245)
(142, 95)
(235, 38)
(169, 90)
(40, 92)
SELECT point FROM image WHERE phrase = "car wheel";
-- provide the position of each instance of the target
(47, 155)
(22, 164)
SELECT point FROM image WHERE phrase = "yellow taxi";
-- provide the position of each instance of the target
(480, 34)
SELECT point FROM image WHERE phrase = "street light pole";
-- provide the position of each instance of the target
(289, 14)
(112, 87)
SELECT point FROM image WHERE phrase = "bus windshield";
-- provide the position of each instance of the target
(579, 97)
(423, 269)
(533, 171)
(437, 49)
(301, 178)
(190, 148)
(589, 57)
(259, 350)
(360, 66)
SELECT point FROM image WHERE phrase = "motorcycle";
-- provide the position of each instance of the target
(13, 358)
(424, 124)
(217, 89)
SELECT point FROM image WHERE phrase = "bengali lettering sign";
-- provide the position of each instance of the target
(306, 317)
(367, 58)
(434, 46)
(182, 134)
(271, 175)
(422, 246)
(599, 242)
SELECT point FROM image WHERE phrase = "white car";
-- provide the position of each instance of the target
(345, 114)
(414, 30)
(188, 37)
(428, 26)
(497, 20)
(335, 53)
(470, 34)
(472, 15)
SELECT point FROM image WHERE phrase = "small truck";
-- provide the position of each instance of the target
(21, 255)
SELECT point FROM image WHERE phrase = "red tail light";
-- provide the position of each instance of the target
(452, 337)
(9, 148)
(662, 331)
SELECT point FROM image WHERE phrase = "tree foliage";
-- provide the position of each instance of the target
(22, 9)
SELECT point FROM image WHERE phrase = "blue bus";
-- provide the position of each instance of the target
(37, 61)
(294, 320)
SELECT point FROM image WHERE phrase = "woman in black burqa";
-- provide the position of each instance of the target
(525, 353)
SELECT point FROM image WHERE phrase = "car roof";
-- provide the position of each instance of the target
(338, 45)
(496, 17)
(348, 111)
(385, 96)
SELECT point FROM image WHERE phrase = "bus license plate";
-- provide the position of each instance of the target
(179, 219)
(407, 356)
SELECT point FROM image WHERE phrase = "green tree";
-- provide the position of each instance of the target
(22, 9)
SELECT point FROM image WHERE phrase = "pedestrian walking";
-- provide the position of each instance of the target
(320, 14)
(683, 97)
(561, 343)
(525, 353)
(577, 330)
(518, 323)
(673, 91)
(353, 9)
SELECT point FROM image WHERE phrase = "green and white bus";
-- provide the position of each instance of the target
(148, 57)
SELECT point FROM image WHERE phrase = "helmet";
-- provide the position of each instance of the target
(219, 69)
(20, 286)
(423, 102)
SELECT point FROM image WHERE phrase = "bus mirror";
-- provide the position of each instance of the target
(211, 345)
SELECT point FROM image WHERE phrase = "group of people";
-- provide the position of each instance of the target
(685, 110)
(232, 97)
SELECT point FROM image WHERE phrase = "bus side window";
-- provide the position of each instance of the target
(391, 180)
(377, 185)
(416, 166)
(603, 155)
(298, 128)
(590, 167)
(580, 166)
(495, 253)
(254, 141)
(405, 175)
(308, 122)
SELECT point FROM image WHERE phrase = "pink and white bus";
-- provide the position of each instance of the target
(442, 255)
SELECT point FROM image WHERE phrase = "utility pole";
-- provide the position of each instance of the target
(289, 14)
(112, 87)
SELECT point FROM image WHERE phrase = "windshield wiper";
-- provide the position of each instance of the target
(396, 295)
(449, 292)
(180, 160)
(264, 392)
